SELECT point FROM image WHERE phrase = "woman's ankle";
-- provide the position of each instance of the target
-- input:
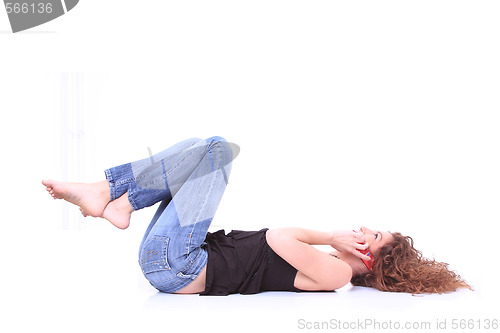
(104, 190)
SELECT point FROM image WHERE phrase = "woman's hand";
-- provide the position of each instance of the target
(349, 241)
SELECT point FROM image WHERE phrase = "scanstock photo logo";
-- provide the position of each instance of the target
(26, 14)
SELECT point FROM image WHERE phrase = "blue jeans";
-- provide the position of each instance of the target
(189, 179)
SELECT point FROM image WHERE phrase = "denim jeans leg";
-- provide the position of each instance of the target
(122, 178)
(171, 254)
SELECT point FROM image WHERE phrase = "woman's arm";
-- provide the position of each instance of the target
(317, 270)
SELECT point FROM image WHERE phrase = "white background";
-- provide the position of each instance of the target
(382, 114)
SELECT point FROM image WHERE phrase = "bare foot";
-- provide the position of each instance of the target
(118, 212)
(91, 198)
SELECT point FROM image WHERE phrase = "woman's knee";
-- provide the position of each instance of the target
(215, 140)
(227, 150)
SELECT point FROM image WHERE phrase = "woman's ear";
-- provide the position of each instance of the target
(385, 250)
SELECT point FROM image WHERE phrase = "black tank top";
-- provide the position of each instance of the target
(242, 262)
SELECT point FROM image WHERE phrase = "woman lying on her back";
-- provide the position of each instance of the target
(178, 255)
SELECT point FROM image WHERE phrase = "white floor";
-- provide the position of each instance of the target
(84, 281)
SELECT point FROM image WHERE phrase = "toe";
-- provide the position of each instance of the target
(83, 213)
(48, 183)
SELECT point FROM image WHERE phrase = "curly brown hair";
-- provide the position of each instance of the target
(399, 267)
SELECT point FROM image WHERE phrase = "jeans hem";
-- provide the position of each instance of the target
(111, 183)
(132, 202)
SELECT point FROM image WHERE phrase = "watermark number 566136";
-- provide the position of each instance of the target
(25, 8)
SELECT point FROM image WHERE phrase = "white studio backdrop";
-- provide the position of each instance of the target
(383, 115)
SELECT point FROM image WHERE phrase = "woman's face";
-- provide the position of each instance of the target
(376, 239)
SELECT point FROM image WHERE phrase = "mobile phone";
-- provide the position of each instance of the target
(368, 264)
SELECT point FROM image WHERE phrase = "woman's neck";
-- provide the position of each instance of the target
(357, 266)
